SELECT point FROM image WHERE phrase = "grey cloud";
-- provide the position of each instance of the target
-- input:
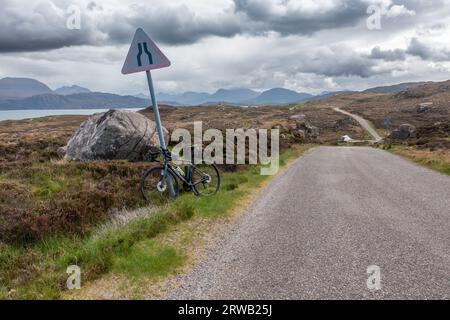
(387, 55)
(41, 28)
(38, 28)
(419, 49)
(415, 48)
(170, 25)
(438, 26)
(289, 20)
(338, 61)
(93, 6)
(180, 25)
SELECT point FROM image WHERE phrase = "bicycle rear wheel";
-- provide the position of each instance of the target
(205, 178)
(155, 188)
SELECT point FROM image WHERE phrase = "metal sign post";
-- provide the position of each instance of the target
(162, 143)
(144, 55)
(159, 128)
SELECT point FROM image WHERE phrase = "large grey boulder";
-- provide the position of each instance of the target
(403, 132)
(310, 130)
(113, 135)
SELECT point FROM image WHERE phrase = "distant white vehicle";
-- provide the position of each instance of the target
(346, 138)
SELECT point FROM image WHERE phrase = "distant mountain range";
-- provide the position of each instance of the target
(71, 90)
(280, 95)
(24, 93)
(238, 96)
(92, 100)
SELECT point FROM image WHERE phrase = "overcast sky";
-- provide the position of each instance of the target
(305, 45)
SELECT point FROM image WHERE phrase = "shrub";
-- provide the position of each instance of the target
(15, 206)
(41, 200)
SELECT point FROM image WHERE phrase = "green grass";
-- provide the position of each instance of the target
(45, 185)
(38, 271)
(150, 259)
(438, 161)
(298, 106)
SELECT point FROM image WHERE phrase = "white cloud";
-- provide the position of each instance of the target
(399, 11)
(304, 45)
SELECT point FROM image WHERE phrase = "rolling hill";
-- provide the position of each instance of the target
(279, 96)
(16, 88)
(394, 88)
(71, 90)
(238, 95)
(92, 100)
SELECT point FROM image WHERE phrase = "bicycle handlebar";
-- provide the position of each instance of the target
(167, 155)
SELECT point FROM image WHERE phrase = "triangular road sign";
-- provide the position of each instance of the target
(144, 55)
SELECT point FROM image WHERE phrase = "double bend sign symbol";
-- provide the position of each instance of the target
(144, 55)
(149, 55)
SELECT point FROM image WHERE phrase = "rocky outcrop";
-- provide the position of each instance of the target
(424, 107)
(310, 130)
(302, 129)
(403, 132)
(113, 135)
(342, 123)
(297, 117)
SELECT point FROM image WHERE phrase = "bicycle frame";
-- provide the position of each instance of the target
(168, 167)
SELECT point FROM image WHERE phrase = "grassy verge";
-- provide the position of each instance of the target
(436, 160)
(38, 271)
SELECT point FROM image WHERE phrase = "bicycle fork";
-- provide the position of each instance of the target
(187, 176)
(168, 182)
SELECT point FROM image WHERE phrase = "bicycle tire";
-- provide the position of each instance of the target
(149, 185)
(208, 188)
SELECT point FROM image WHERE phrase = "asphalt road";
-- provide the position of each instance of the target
(364, 123)
(319, 225)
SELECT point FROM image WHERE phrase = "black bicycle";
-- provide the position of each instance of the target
(159, 182)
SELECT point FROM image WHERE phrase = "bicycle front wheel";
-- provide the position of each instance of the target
(205, 179)
(155, 188)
